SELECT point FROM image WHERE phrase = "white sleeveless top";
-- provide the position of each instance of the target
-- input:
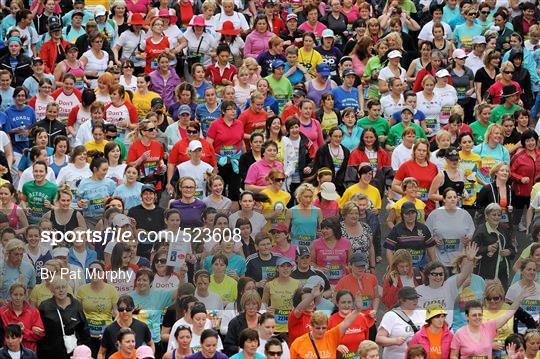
(95, 64)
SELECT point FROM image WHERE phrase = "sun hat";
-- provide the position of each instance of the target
(198, 21)
(136, 19)
(228, 29)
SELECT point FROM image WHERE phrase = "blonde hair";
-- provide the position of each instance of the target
(14, 244)
(243, 70)
(441, 134)
(52, 104)
(365, 347)
(319, 318)
(506, 66)
(250, 296)
(428, 78)
(493, 288)
(207, 4)
(250, 61)
(374, 21)
(302, 188)
(457, 110)
(400, 256)
(490, 130)
(534, 30)
(350, 206)
(421, 141)
(134, 135)
(397, 38)
(495, 170)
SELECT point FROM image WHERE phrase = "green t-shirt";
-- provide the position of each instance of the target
(479, 131)
(499, 110)
(394, 136)
(408, 6)
(373, 65)
(36, 197)
(282, 90)
(380, 125)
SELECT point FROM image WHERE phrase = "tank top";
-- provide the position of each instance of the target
(448, 183)
(78, 72)
(315, 95)
(444, 51)
(69, 226)
(13, 219)
(95, 64)
(303, 229)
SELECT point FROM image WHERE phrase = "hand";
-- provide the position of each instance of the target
(271, 310)
(307, 170)
(439, 242)
(190, 258)
(511, 351)
(497, 345)
(317, 290)
(394, 277)
(21, 324)
(145, 155)
(342, 349)
(399, 340)
(471, 250)
(525, 180)
(169, 188)
(37, 330)
(493, 247)
(262, 283)
(360, 113)
(270, 113)
(527, 292)
(505, 253)
(48, 204)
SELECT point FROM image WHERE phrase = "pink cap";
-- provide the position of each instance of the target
(82, 352)
(144, 352)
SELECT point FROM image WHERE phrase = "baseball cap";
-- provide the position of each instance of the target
(408, 293)
(348, 72)
(477, 40)
(433, 310)
(100, 11)
(323, 69)
(37, 59)
(280, 227)
(292, 17)
(82, 352)
(277, 63)
(156, 101)
(327, 33)
(70, 47)
(313, 281)
(407, 108)
(442, 73)
(54, 23)
(459, 54)
(394, 54)
(121, 220)
(408, 207)
(358, 259)
(452, 154)
(145, 352)
(110, 127)
(184, 109)
(195, 145)
(148, 187)
(284, 260)
(77, 13)
(302, 251)
(299, 93)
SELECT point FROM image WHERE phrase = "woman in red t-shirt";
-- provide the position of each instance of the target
(156, 44)
(419, 168)
(147, 153)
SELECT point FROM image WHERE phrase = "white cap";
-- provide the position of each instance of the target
(394, 54)
(100, 10)
(121, 220)
(194, 145)
(476, 40)
(459, 54)
(327, 33)
(442, 73)
(328, 191)
(313, 281)
(60, 252)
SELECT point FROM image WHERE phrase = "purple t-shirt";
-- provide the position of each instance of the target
(468, 347)
(190, 212)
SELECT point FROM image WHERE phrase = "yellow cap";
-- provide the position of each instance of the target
(433, 310)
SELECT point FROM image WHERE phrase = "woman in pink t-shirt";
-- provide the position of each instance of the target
(476, 338)
(313, 24)
(310, 127)
(330, 253)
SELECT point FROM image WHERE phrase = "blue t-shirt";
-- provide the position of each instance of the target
(16, 118)
(153, 307)
(23, 274)
(270, 103)
(32, 85)
(25, 162)
(464, 34)
(206, 117)
(7, 98)
(330, 57)
(296, 77)
(344, 99)
(131, 196)
(241, 356)
(199, 91)
(451, 16)
(419, 115)
(95, 192)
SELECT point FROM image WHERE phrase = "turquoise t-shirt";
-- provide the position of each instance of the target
(450, 16)
(464, 34)
(24, 274)
(131, 196)
(153, 306)
(95, 192)
(241, 356)
(474, 291)
(236, 263)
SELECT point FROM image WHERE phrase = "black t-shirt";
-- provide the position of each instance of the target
(149, 220)
(486, 81)
(142, 336)
(514, 138)
(170, 316)
(330, 57)
(259, 269)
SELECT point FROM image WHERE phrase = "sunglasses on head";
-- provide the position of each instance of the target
(125, 309)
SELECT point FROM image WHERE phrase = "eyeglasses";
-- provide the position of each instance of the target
(493, 299)
(162, 261)
(192, 132)
(151, 129)
(508, 72)
(274, 354)
(125, 309)
(279, 179)
(437, 274)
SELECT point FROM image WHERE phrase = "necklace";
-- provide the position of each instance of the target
(333, 153)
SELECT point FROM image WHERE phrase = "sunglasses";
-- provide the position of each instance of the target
(192, 132)
(508, 72)
(484, 12)
(279, 179)
(437, 274)
(127, 67)
(111, 137)
(473, 14)
(162, 261)
(125, 309)
(274, 354)
(152, 129)
(493, 299)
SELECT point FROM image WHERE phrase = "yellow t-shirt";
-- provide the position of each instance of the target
(92, 145)
(419, 205)
(41, 293)
(98, 306)
(469, 165)
(226, 289)
(373, 194)
(281, 299)
(143, 103)
(310, 60)
(504, 331)
(278, 203)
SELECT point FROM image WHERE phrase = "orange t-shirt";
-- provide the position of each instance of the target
(118, 355)
(435, 344)
(365, 288)
(302, 348)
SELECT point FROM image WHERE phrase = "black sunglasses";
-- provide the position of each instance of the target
(493, 299)
(192, 132)
(152, 129)
(273, 354)
(508, 72)
(125, 309)
(279, 179)
(111, 137)
(162, 261)
(484, 12)
(127, 67)
(437, 274)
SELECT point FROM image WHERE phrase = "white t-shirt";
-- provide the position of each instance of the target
(197, 172)
(84, 134)
(397, 327)
(129, 42)
(212, 301)
(445, 296)
(116, 172)
(426, 33)
(4, 140)
(431, 109)
(238, 20)
(389, 106)
(386, 74)
(66, 103)
(399, 155)
(530, 304)
(173, 344)
(132, 86)
(447, 96)
(257, 221)
(72, 175)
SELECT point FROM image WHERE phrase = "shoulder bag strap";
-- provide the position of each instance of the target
(61, 322)
(314, 346)
(200, 42)
(405, 318)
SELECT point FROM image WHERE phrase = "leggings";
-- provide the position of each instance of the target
(232, 181)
